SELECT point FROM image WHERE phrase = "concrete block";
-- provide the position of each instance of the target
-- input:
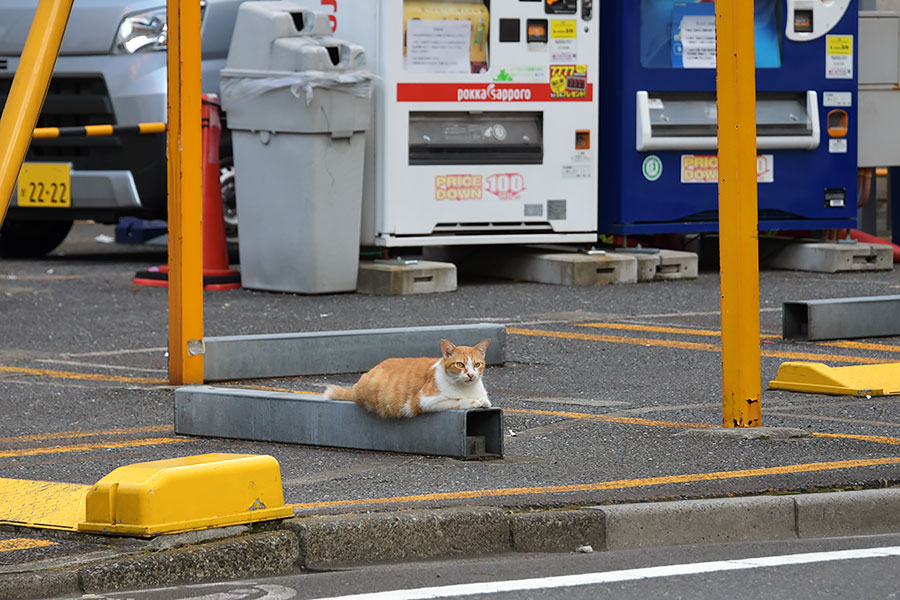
(675, 264)
(421, 277)
(863, 512)
(327, 352)
(647, 264)
(698, 522)
(562, 268)
(329, 541)
(827, 257)
(557, 531)
(257, 555)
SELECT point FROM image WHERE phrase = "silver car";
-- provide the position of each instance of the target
(111, 70)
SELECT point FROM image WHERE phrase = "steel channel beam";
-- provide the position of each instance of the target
(308, 419)
(329, 352)
(841, 318)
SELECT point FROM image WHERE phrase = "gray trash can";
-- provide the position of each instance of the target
(297, 102)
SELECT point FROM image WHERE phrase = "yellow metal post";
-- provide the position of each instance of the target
(29, 88)
(738, 227)
(185, 194)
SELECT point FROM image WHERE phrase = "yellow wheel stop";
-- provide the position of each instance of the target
(152, 498)
(856, 380)
(182, 494)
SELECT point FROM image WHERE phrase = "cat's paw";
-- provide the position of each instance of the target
(485, 403)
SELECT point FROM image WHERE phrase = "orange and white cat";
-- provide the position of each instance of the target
(406, 387)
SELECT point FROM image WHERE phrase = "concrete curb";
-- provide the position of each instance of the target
(321, 542)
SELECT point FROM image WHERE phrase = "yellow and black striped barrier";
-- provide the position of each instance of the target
(44, 133)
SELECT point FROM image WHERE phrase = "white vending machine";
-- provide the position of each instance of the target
(486, 116)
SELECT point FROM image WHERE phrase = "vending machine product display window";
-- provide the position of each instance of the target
(659, 171)
(486, 127)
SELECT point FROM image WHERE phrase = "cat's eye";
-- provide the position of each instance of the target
(478, 365)
(460, 365)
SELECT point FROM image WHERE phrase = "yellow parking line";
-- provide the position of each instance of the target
(81, 376)
(63, 435)
(87, 447)
(657, 329)
(877, 439)
(609, 485)
(691, 346)
(23, 544)
(607, 419)
(716, 333)
(862, 346)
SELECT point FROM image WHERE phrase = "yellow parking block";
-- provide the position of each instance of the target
(152, 498)
(856, 380)
(182, 494)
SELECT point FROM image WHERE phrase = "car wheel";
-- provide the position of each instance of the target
(229, 199)
(31, 239)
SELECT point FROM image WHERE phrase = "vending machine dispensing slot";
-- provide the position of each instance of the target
(688, 121)
(463, 138)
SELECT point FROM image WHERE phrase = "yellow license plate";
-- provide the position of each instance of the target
(45, 185)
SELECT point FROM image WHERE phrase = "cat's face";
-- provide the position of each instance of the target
(463, 364)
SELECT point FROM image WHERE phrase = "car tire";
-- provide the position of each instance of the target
(31, 239)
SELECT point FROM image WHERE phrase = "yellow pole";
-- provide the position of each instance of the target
(29, 88)
(185, 194)
(738, 227)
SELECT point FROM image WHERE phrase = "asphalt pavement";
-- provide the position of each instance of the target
(611, 398)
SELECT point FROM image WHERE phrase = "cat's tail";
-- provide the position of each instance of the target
(336, 392)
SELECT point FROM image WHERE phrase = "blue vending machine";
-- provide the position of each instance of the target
(658, 164)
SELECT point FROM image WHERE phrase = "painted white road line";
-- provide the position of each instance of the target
(492, 587)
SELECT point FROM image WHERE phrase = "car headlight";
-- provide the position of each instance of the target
(142, 32)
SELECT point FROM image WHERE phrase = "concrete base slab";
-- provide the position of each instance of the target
(676, 264)
(751, 433)
(663, 265)
(832, 257)
(400, 279)
(647, 264)
(561, 268)
(328, 352)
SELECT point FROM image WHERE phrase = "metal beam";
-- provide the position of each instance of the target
(328, 352)
(185, 191)
(738, 244)
(841, 318)
(311, 420)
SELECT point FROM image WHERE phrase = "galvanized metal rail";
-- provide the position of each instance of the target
(311, 420)
(841, 318)
(328, 352)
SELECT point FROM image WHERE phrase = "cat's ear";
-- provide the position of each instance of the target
(447, 348)
(482, 347)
